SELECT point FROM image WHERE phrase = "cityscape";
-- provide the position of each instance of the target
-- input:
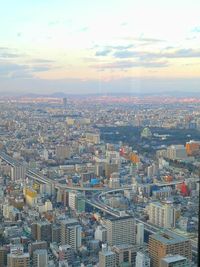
(99, 133)
(99, 181)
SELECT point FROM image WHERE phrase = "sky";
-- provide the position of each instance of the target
(99, 46)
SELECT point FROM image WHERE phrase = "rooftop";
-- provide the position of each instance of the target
(168, 238)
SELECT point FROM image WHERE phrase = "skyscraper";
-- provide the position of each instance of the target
(40, 258)
(71, 233)
(162, 244)
(107, 258)
(162, 215)
(18, 258)
(121, 231)
(142, 260)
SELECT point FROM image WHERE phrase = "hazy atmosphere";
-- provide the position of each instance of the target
(102, 46)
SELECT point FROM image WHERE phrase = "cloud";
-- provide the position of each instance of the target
(108, 49)
(104, 52)
(127, 64)
(6, 53)
(142, 55)
(125, 54)
(12, 70)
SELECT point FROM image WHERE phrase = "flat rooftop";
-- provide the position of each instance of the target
(168, 238)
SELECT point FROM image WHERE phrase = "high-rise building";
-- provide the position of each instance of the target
(40, 258)
(93, 138)
(192, 147)
(3, 256)
(63, 152)
(140, 234)
(162, 244)
(176, 152)
(120, 231)
(66, 253)
(30, 196)
(107, 258)
(18, 172)
(76, 201)
(162, 215)
(17, 258)
(65, 103)
(56, 233)
(174, 261)
(71, 233)
(101, 234)
(42, 231)
(125, 255)
(142, 260)
(37, 246)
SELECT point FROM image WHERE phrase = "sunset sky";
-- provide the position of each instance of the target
(99, 46)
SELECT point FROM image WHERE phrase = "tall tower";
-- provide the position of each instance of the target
(107, 257)
(65, 103)
(40, 258)
(121, 231)
(71, 233)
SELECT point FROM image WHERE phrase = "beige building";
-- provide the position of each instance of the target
(175, 261)
(121, 231)
(2, 256)
(125, 255)
(40, 258)
(93, 138)
(162, 215)
(107, 258)
(18, 259)
(71, 233)
(166, 243)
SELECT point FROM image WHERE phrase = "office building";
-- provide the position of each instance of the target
(3, 256)
(176, 152)
(107, 258)
(71, 233)
(62, 152)
(120, 231)
(18, 172)
(66, 253)
(140, 234)
(40, 258)
(18, 258)
(38, 245)
(192, 148)
(42, 231)
(162, 215)
(174, 261)
(30, 196)
(93, 138)
(125, 255)
(56, 233)
(142, 260)
(165, 243)
(101, 234)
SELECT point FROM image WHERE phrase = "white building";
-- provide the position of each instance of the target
(140, 234)
(40, 258)
(142, 260)
(71, 233)
(161, 215)
(107, 258)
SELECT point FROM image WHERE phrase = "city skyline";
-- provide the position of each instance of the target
(99, 46)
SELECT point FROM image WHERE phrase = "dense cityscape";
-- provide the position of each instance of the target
(103, 181)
